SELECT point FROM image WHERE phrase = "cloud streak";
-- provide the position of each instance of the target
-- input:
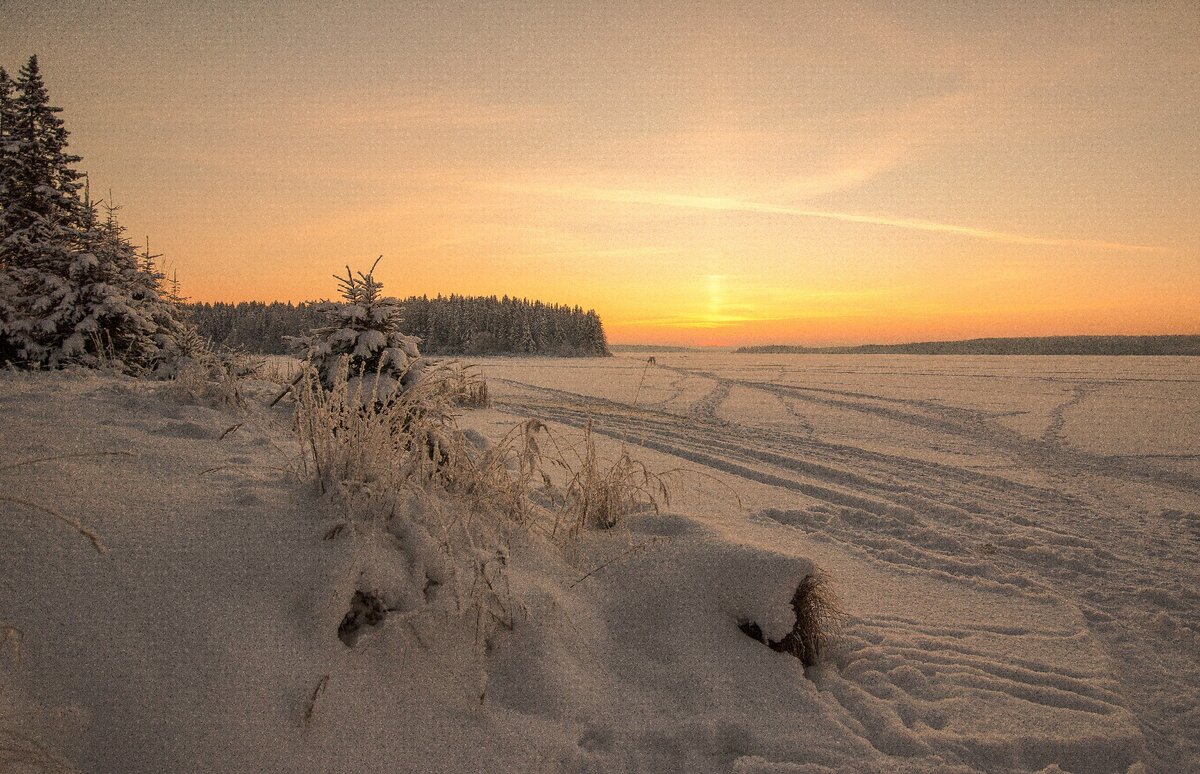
(728, 204)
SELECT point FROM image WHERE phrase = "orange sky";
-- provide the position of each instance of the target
(703, 173)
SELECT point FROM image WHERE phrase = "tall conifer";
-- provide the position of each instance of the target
(8, 121)
(73, 290)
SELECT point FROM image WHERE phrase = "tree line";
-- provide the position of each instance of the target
(446, 325)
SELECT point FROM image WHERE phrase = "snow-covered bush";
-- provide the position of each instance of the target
(364, 333)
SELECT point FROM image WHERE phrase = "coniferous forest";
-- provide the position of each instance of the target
(446, 325)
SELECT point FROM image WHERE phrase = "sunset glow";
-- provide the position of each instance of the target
(697, 173)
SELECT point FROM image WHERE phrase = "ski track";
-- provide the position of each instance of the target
(1058, 416)
(970, 527)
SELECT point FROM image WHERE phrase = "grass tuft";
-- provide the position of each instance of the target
(597, 493)
(215, 378)
(819, 616)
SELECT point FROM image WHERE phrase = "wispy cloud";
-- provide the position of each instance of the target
(435, 112)
(728, 204)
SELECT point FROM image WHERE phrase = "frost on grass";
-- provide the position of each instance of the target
(427, 514)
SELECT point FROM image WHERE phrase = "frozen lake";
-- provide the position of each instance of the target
(1020, 530)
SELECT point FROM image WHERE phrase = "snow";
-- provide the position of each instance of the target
(1013, 540)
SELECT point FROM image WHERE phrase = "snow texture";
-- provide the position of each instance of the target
(1020, 588)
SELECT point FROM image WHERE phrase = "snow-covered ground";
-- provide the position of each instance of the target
(1014, 541)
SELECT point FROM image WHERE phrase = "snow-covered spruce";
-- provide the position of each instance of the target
(365, 328)
(72, 289)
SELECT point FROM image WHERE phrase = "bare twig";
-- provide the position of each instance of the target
(287, 389)
(312, 700)
(74, 523)
(633, 549)
(75, 455)
(243, 467)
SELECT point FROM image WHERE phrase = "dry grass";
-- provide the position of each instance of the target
(215, 379)
(398, 468)
(819, 616)
(404, 476)
(355, 437)
(357, 440)
(596, 493)
(467, 387)
(74, 523)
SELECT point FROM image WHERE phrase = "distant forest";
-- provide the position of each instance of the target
(650, 348)
(1047, 345)
(454, 325)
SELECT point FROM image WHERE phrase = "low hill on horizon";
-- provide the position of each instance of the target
(1040, 345)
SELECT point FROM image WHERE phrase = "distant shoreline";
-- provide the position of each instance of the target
(650, 348)
(1044, 345)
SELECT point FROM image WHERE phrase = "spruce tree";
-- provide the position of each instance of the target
(8, 124)
(118, 311)
(43, 224)
(8, 121)
(363, 329)
(74, 291)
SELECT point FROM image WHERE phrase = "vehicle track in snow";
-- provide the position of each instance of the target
(979, 427)
(968, 526)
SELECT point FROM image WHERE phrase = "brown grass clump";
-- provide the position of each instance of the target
(355, 439)
(213, 378)
(355, 436)
(467, 387)
(598, 494)
(405, 477)
(818, 617)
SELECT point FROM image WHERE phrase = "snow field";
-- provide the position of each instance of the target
(903, 475)
(1015, 601)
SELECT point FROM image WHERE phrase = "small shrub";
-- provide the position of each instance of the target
(468, 387)
(214, 378)
(354, 436)
(364, 327)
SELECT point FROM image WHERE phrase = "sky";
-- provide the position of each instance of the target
(699, 173)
